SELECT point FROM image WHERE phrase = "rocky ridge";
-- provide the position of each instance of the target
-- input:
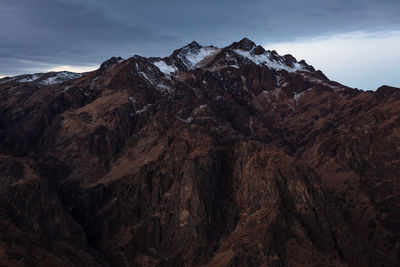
(232, 156)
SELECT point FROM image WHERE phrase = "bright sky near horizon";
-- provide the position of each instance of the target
(354, 42)
(358, 59)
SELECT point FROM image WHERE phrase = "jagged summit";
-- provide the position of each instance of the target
(193, 45)
(189, 56)
(194, 56)
(109, 63)
(244, 44)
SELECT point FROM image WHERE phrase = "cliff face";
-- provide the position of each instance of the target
(220, 157)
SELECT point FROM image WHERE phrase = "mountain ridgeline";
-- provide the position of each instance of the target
(233, 156)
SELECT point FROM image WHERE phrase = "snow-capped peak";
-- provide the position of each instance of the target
(268, 60)
(193, 54)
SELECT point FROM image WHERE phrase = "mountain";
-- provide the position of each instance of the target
(231, 156)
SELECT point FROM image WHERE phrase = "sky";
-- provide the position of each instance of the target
(354, 42)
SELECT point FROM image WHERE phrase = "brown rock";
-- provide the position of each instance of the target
(230, 162)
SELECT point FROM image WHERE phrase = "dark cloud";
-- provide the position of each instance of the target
(34, 34)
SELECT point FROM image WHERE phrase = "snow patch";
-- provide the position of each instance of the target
(61, 77)
(164, 67)
(285, 84)
(191, 57)
(30, 78)
(144, 109)
(276, 93)
(312, 79)
(278, 80)
(297, 96)
(244, 82)
(163, 87)
(66, 88)
(86, 94)
(188, 120)
(264, 59)
(138, 111)
(160, 83)
(93, 83)
(145, 76)
(58, 77)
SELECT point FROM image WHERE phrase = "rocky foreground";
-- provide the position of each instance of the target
(217, 157)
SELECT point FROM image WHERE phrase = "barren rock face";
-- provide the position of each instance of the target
(230, 156)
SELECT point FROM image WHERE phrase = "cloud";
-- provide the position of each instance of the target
(78, 69)
(37, 35)
(357, 59)
(40, 33)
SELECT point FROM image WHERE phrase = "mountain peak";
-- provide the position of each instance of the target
(190, 55)
(110, 62)
(244, 44)
(246, 40)
(194, 44)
